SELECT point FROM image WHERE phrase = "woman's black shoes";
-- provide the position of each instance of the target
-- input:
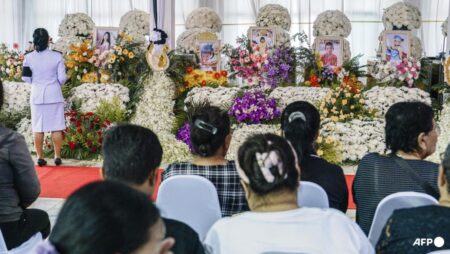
(41, 162)
(58, 161)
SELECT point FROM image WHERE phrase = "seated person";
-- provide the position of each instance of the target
(300, 123)
(104, 218)
(19, 188)
(407, 225)
(132, 155)
(269, 171)
(211, 137)
(411, 135)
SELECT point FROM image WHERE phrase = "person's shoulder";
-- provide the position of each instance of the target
(324, 164)
(178, 226)
(57, 52)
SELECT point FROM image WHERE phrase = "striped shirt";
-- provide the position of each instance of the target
(379, 176)
(224, 177)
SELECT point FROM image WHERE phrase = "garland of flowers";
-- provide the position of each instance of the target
(204, 17)
(402, 16)
(76, 25)
(274, 15)
(135, 23)
(332, 23)
(221, 97)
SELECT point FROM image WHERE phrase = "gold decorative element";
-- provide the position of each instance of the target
(157, 56)
(207, 36)
(447, 70)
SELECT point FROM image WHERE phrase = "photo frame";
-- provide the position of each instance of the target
(100, 39)
(262, 38)
(331, 50)
(395, 45)
(208, 52)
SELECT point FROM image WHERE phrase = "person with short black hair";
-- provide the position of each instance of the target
(407, 225)
(19, 188)
(132, 155)
(411, 136)
(44, 69)
(107, 217)
(269, 172)
(300, 123)
(211, 137)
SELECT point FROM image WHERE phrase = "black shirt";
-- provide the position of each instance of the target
(407, 225)
(378, 176)
(329, 176)
(186, 239)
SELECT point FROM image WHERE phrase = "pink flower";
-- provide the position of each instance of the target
(247, 59)
(15, 45)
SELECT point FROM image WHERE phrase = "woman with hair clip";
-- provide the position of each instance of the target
(300, 123)
(211, 137)
(269, 171)
(44, 69)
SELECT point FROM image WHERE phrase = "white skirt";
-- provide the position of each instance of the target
(48, 117)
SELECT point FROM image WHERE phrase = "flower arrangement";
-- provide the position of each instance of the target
(444, 27)
(89, 95)
(11, 62)
(279, 67)
(187, 41)
(76, 25)
(254, 107)
(16, 97)
(199, 78)
(332, 23)
(173, 150)
(221, 97)
(135, 23)
(287, 95)
(83, 136)
(382, 98)
(184, 134)
(245, 60)
(401, 16)
(329, 149)
(79, 68)
(204, 17)
(63, 44)
(274, 15)
(343, 104)
(403, 73)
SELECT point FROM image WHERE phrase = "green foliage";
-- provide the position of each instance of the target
(112, 111)
(10, 120)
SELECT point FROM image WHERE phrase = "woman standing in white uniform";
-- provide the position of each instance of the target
(45, 71)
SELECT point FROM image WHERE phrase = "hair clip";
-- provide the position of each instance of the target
(296, 115)
(266, 161)
(205, 126)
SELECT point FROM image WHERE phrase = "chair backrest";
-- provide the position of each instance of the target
(190, 199)
(24, 248)
(312, 195)
(440, 252)
(389, 204)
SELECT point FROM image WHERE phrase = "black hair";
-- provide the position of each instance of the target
(301, 132)
(40, 39)
(404, 122)
(329, 43)
(446, 166)
(131, 153)
(108, 40)
(205, 141)
(262, 143)
(104, 217)
(1, 95)
(262, 38)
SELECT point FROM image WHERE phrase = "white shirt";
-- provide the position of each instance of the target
(303, 230)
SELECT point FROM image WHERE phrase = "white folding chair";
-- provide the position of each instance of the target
(312, 195)
(389, 204)
(440, 252)
(190, 199)
(24, 248)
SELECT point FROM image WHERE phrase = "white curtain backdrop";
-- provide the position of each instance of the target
(20, 17)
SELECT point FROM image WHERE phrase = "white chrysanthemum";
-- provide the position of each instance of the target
(187, 41)
(24, 127)
(135, 23)
(402, 15)
(242, 132)
(274, 15)
(16, 97)
(357, 137)
(287, 95)
(90, 95)
(416, 47)
(282, 38)
(444, 137)
(222, 97)
(204, 17)
(76, 24)
(332, 23)
(444, 27)
(173, 150)
(63, 44)
(382, 98)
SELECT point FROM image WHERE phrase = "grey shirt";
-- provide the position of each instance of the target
(19, 184)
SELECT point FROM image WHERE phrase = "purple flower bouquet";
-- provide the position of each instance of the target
(254, 107)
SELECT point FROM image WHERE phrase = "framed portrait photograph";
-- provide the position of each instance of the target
(209, 54)
(331, 50)
(105, 38)
(396, 45)
(262, 38)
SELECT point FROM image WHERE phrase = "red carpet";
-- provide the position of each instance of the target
(60, 182)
